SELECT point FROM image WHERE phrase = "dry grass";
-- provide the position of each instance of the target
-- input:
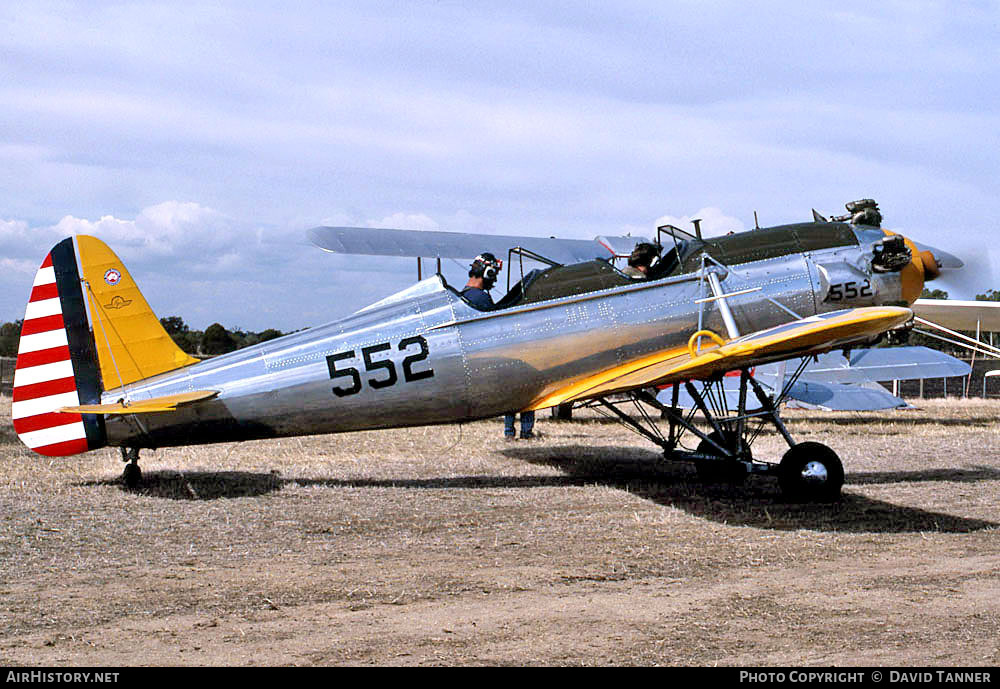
(448, 546)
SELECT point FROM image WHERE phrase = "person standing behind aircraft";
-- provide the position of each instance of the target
(643, 256)
(482, 275)
(527, 426)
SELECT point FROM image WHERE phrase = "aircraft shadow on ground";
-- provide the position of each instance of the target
(758, 502)
(200, 485)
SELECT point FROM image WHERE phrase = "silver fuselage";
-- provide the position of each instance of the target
(424, 356)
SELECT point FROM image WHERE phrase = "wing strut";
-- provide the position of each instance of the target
(719, 296)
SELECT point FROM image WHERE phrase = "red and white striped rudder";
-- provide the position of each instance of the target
(56, 364)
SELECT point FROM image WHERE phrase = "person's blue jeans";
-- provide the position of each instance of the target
(527, 424)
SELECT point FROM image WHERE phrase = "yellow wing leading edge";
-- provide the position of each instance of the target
(806, 336)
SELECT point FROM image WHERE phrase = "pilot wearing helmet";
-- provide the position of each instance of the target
(643, 257)
(482, 275)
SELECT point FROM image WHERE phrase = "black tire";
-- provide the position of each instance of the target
(723, 470)
(132, 476)
(811, 472)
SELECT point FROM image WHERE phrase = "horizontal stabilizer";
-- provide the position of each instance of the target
(166, 403)
(429, 244)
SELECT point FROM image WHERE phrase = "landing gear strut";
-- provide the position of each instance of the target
(808, 472)
(132, 476)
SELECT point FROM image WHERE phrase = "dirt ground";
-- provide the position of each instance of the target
(447, 546)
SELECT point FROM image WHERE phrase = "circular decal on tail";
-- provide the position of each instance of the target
(112, 277)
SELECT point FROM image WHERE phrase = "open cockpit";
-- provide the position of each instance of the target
(683, 253)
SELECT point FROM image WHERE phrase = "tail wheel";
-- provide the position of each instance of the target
(724, 469)
(132, 476)
(811, 472)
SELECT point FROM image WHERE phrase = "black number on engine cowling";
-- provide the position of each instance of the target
(849, 290)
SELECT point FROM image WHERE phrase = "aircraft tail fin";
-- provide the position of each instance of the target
(65, 359)
(56, 362)
(131, 342)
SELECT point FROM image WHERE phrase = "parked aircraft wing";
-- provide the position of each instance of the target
(808, 335)
(960, 315)
(385, 242)
(836, 397)
(154, 404)
(835, 382)
(809, 394)
(888, 363)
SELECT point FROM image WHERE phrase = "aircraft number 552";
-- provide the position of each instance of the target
(385, 368)
(849, 290)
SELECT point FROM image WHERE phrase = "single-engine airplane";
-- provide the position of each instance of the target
(96, 368)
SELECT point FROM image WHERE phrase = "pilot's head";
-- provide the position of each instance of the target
(487, 267)
(643, 256)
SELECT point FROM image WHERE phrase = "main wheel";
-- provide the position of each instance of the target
(724, 469)
(811, 472)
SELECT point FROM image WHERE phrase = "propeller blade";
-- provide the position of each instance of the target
(945, 260)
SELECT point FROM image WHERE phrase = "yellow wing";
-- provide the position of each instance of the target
(806, 336)
(154, 404)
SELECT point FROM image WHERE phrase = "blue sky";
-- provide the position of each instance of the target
(202, 139)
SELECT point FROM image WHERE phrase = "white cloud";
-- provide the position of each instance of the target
(12, 228)
(24, 267)
(18, 239)
(714, 222)
(167, 247)
(168, 229)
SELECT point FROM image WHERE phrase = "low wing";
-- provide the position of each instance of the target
(806, 336)
(155, 404)
(384, 242)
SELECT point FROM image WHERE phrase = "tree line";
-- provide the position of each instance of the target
(213, 340)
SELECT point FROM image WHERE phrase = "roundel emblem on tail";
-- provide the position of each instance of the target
(112, 277)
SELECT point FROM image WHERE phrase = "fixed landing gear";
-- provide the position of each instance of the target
(811, 472)
(731, 468)
(132, 476)
(808, 472)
